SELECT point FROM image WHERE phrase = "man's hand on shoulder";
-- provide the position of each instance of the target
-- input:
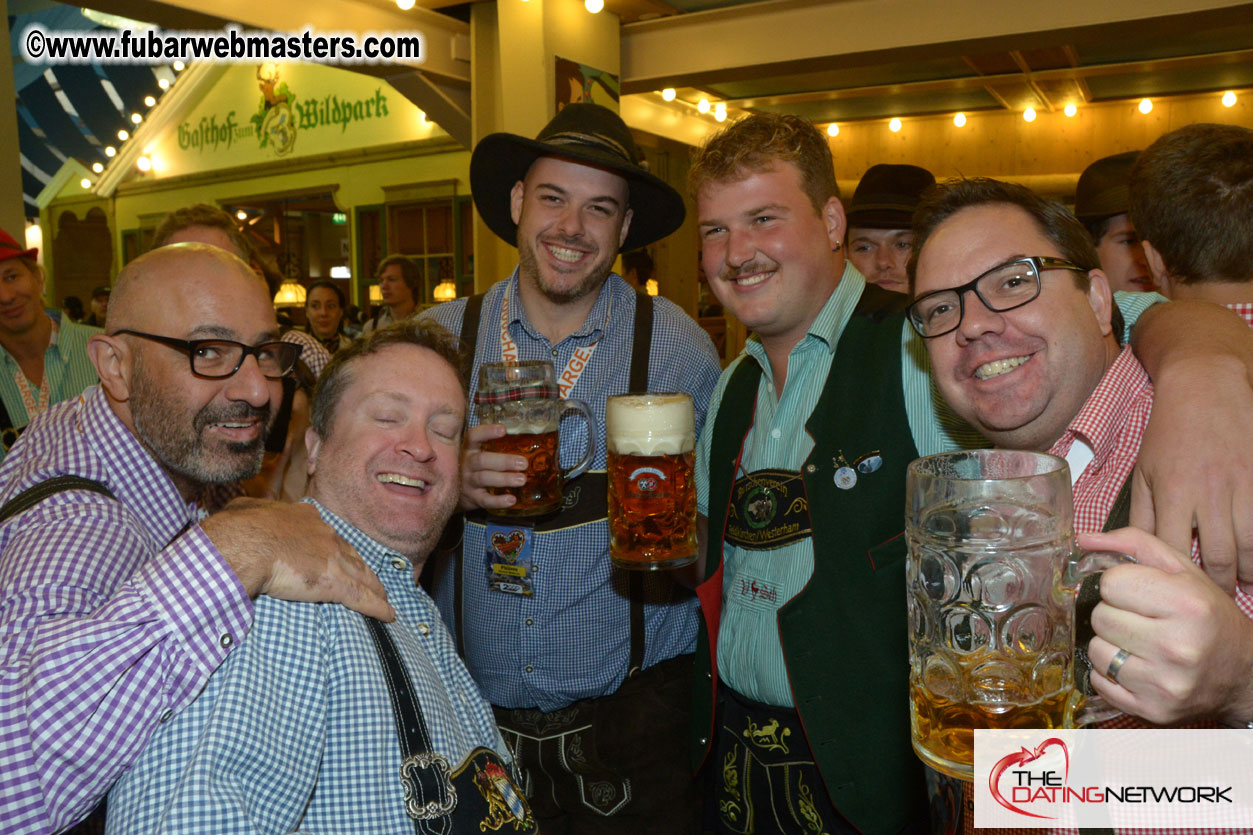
(1195, 464)
(286, 551)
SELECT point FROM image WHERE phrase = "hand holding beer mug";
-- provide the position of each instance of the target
(523, 397)
(651, 442)
(991, 576)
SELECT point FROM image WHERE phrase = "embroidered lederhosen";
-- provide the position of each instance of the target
(475, 795)
(8, 432)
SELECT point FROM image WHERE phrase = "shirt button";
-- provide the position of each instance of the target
(528, 668)
(775, 433)
(165, 717)
(226, 641)
(530, 621)
(399, 564)
(424, 629)
(554, 352)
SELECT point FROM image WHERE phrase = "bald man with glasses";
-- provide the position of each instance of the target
(119, 599)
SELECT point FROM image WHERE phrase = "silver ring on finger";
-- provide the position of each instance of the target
(1115, 664)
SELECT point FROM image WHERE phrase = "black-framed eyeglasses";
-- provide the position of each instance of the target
(218, 358)
(1002, 288)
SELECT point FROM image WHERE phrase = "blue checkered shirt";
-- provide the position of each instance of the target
(572, 639)
(296, 732)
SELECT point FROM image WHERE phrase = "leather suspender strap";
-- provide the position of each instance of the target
(469, 346)
(426, 775)
(32, 496)
(641, 344)
(1120, 511)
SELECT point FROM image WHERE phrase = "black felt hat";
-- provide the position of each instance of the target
(887, 196)
(1102, 189)
(581, 132)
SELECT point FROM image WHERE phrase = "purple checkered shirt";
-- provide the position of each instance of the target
(113, 614)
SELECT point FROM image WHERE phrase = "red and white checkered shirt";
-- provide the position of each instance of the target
(1112, 423)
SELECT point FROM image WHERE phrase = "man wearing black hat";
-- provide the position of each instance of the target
(879, 238)
(1102, 205)
(591, 673)
(43, 362)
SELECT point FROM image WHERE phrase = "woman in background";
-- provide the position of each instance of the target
(324, 308)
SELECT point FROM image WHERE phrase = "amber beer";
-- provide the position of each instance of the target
(651, 441)
(523, 398)
(944, 729)
(542, 491)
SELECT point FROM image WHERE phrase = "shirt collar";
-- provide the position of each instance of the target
(831, 319)
(1099, 422)
(130, 471)
(592, 327)
(374, 553)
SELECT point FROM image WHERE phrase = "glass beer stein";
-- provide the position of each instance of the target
(651, 441)
(991, 575)
(523, 397)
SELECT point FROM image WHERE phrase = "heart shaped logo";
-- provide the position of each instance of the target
(507, 545)
(1019, 759)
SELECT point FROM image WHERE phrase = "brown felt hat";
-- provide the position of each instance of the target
(581, 132)
(887, 196)
(1102, 188)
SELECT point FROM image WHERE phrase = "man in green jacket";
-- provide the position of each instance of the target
(800, 476)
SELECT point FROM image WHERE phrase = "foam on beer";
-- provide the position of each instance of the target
(649, 424)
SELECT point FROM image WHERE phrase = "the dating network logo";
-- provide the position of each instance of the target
(1024, 784)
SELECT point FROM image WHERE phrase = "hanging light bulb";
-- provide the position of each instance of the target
(960, 120)
(1029, 114)
(179, 66)
(97, 167)
(1071, 110)
(703, 105)
(150, 101)
(833, 129)
(123, 135)
(445, 291)
(164, 83)
(136, 118)
(1229, 99)
(1146, 106)
(110, 151)
(143, 164)
(85, 183)
(720, 112)
(668, 94)
(594, 6)
(894, 125)
(405, 5)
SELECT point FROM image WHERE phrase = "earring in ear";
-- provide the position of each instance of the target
(838, 246)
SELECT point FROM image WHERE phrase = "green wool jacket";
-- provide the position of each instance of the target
(844, 633)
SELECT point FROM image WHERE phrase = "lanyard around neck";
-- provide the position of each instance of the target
(579, 360)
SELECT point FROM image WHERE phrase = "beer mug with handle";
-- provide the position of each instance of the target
(651, 442)
(523, 397)
(991, 576)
